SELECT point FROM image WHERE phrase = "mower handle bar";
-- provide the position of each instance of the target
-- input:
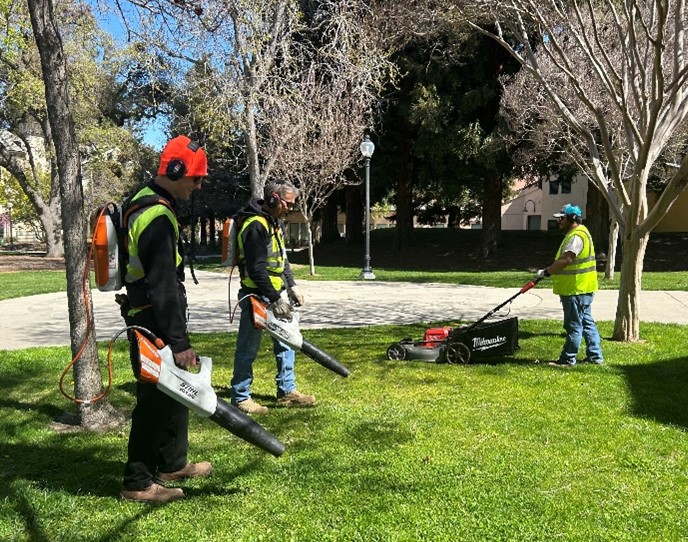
(530, 284)
(523, 290)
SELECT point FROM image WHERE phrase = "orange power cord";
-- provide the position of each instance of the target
(85, 277)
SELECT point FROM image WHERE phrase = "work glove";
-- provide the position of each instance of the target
(295, 296)
(281, 309)
(542, 273)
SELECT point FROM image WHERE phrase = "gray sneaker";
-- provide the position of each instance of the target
(296, 399)
(153, 494)
(249, 406)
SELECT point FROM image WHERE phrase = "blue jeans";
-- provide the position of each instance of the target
(578, 323)
(248, 344)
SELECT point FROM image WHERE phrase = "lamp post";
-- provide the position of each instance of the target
(367, 149)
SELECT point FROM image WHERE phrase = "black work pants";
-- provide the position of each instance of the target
(159, 436)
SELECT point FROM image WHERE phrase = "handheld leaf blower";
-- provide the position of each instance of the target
(195, 391)
(288, 332)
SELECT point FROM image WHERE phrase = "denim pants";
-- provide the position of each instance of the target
(578, 323)
(248, 344)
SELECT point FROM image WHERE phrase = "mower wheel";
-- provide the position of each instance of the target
(457, 352)
(396, 352)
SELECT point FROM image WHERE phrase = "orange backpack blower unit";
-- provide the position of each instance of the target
(110, 235)
(106, 257)
(230, 243)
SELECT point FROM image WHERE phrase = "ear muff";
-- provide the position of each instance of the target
(176, 169)
(573, 217)
(273, 200)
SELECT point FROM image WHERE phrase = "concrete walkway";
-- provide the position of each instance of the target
(43, 320)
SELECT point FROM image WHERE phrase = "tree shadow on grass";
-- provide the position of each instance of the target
(78, 465)
(57, 466)
(36, 533)
(659, 390)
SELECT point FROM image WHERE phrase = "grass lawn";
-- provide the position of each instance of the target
(24, 283)
(399, 451)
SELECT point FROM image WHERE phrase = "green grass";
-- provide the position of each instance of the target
(23, 283)
(399, 451)
(13, 285)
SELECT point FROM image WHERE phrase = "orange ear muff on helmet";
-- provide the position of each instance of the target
(273, 200)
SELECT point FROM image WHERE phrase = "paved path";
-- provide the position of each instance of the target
(43, 320)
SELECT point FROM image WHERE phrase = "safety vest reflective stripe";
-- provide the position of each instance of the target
(580, 277)
(276, 253)
(580, 270)
(138, 222)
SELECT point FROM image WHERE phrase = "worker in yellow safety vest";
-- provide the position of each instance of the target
(265, 272)
(156, 300)
(574, 279)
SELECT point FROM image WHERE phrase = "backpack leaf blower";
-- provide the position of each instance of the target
(288, 332)
(193, 390)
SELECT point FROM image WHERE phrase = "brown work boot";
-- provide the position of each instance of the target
(191, 470)
(251, 407)
(154, 494)
(296, 399)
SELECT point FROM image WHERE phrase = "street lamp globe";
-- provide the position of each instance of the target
(367, 147)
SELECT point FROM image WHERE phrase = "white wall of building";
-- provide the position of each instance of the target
(533, 206)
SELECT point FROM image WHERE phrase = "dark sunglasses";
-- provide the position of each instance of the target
(290, 204)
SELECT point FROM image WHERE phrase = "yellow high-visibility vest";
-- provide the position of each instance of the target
(138, 222)
(580, 277)
(276, 253)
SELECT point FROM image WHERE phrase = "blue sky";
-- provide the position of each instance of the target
(154, 133)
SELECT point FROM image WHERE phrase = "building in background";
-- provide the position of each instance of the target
(533, 204)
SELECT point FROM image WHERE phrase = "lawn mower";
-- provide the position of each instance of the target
(480, 339)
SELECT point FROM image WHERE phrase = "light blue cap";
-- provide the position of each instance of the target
(568, 209)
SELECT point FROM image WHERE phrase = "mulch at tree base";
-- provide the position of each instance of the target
(13, 262)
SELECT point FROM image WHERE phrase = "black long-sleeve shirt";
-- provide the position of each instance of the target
(256, 240)
(157, 248)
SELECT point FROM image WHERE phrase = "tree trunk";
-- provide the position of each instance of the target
(203, 225)
(54, 248)
(403, 233)
(597, 219)
(354, 216)
(87, 378)
(254, 172)
(491, 234)
(49, 216)
(311, 255)
(330, 230)
(212, 231)
(610, 266)
(48, 213)
(627, 324)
